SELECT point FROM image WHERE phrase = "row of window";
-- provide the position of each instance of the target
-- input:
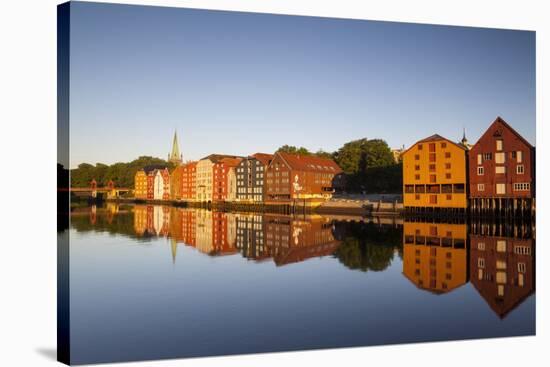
(500, 157)
(435, 189)
(500, 188)
(520, 170)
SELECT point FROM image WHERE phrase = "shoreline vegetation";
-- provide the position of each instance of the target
(369, 167)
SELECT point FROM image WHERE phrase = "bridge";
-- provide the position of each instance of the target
(110, 191)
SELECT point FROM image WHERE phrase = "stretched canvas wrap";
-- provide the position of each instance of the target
(234, 183)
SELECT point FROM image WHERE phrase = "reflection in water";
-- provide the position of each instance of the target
(497, 259)
(435, 255)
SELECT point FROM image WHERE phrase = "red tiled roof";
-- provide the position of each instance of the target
(310, 163)
(231, 162)
(263, 157)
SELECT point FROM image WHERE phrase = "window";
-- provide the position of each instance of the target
(447, 165)
(449, 197)
(432, 178)
(447, 154)
(501, 246)
(520, 169)
(499, 145)
(447, 189)
(419, 146)
(479, 159)
(519, 156)
(409, 189)
(480, 262)
(447, 176)
(419, 189)
(501, 277)
(481, 246)
(500, 290)
(433, 199)
(458, 188)
(500, 169)
(500, 158)
(431, 147)
(522, 186)
(432, 157)
(480, 171)
(417, 167)
(416, 197)
(443, 145)
(501, 189)
(432, 167)
(487, 156)
(522, 267)
(522, 250)
(501, 264)
(417, 177)
(480, 187)
(416, 157)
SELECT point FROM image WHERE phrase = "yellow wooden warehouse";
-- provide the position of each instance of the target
(435, 175)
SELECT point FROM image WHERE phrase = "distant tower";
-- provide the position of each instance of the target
(175, 157)
(464, 141)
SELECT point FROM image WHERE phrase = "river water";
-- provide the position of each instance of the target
(152, 282)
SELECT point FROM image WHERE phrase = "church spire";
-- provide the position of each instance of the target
(175, 156)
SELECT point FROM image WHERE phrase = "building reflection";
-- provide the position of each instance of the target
(498, 259)
(291, 240)
(435, 255)
(502, 266)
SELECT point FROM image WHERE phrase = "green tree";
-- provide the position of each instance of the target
(294, 150)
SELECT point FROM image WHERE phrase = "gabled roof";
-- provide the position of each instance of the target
(230, 162)
(500, 120)
(264, 158)
(309, 163)
(435, 137)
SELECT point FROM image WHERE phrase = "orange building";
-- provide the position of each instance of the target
(188, 181)
(221, 173)
(435, 174)
(140, 219)
(140, 185)
(435, 255)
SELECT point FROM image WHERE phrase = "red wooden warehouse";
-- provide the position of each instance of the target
(502, 170)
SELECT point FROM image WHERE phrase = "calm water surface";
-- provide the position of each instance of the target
(150, 282)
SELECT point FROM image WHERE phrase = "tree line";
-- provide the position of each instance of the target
(122, 174)
(368, 165)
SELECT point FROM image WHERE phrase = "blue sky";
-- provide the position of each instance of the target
(239, 83)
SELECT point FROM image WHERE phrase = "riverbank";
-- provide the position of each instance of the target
(336, 207)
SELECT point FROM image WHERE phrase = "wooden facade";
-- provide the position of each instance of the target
(250, 177)
(502, 171)
(305, 180)
(140, 185)
(222, 168)
(204, 187)
(435, 175)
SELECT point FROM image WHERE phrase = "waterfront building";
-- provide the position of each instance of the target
(204, 182)
(188, 181)
(435, 175)
(203, 231)
(175, 156)
(182, 182)
(161, 184)
(308, 180)
(250, 177)
(502, 169)
(182, 226)
(140, 184)
(435, 255)
(222, 187)
(502, 270)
